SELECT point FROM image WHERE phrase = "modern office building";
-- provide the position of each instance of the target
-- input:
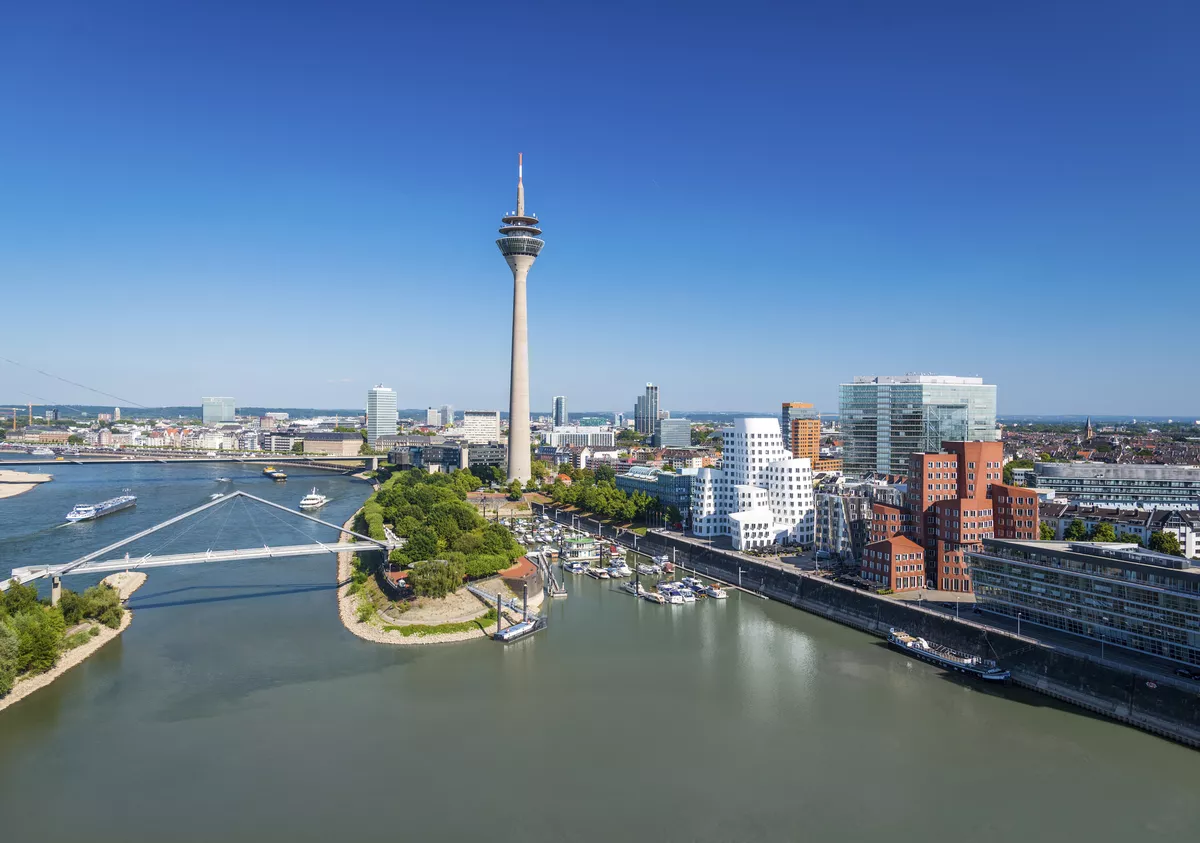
(843, 521)
(520, 244)
(761, 495)
(672, 433)
(217, 411)
(668, 488)
(884, 420)
(801, 426)
(574, 434)
(956, 499)
(444, 458)
(446, 414)
(645, 411)
(433, 417)
(1116, 593)
(560, 410)
(489, 454)
(1121, 485)
(381, 413)
(481, 426)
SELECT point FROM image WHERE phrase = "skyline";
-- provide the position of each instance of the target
(802, 186)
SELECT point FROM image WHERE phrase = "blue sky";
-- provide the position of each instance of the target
(745, 203)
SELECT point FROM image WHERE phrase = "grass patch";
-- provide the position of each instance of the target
(423, 630)
(72, 641)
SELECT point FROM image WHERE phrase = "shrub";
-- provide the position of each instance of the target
(9, 648)
(366, 611)
(39, 632)
(435, 577)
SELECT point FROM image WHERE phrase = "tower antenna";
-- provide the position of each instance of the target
(520, 186)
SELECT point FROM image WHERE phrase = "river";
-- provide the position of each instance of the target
(237, 708)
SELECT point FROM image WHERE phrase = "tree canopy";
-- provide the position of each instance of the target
(1076, 531)
(1165, 543)
(601, 496)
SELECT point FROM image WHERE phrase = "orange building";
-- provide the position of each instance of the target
(802, 428)
(897, 563)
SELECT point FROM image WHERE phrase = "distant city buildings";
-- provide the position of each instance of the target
(481, 426)
(1184, 524)
(1121, 595)
(645, 411)
(433, 417)
(560, 410)
(381, 413)
(217, 410)
(1120, 485)
(672, 433)
(760, 496)
(884, 420)
(446, 414)
(332, 442)
(668, 488)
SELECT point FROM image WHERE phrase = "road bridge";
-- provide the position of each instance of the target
(101, 560)
(367, 462)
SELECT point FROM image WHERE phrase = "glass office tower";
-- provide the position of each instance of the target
(886, 419)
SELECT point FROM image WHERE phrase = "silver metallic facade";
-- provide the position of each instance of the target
(884, 420)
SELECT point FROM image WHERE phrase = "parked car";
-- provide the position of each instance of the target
(1185, 673)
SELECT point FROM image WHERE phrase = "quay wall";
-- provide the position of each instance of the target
(1170, 709)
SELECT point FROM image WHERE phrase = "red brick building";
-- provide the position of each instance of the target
(956, 499)
(897, 563)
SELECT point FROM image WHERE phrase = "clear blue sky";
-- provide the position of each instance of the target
(744, 203)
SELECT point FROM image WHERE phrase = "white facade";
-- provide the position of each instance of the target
(575, 434)
(433, 417)
(381, 412)
(480, 427)
(761, 495)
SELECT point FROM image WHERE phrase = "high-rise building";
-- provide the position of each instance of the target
(560, 410)
(520, 244)
(433, 417)
(645, 411)
(481, 426)
(381, 412)
(447, 415)
(672, 433)
(217, 410)
(116, 413)
(761, 495)
(802, 435)
(884, 420)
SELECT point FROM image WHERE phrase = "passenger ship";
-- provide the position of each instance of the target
(313, 500)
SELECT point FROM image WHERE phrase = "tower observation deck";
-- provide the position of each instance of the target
(520, 243)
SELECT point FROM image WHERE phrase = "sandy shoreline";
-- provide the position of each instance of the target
(13, 483)
(126, 584)
(374, 631)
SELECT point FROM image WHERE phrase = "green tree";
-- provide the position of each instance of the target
(539, 470)
(19, 597)
(9, 648)
(1103, 532)
(422, 544)
(1129, 538)
(75, 439)
(1046, 532)
(514, 490)
(1008, 469)
(39, 631)
(1165, 543)
(298, 448)
(1076, 531)
(498, 475)
(435, 577)
(605, 474)
(629, 436)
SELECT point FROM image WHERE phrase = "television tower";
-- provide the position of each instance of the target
(520, 244)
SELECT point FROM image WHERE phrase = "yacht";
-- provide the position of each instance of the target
(598, 573)
(313, 500)
(693, 583)
(41, 452)
(714, 590)
(672, 597)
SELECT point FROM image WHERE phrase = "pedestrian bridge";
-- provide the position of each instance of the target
(103, 560)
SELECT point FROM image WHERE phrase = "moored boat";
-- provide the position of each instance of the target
(943, 656)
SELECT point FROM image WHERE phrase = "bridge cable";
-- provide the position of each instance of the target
(196, 523)
(301, 532)
(254, 524)
(228, 515)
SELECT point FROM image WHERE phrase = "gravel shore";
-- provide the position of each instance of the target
(126, 584)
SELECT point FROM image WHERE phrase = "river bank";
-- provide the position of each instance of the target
(13, 483)
(382, 631)
(126, 583)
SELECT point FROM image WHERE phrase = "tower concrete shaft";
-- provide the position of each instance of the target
(520, 245)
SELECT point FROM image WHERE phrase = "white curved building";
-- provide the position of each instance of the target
(761, 495)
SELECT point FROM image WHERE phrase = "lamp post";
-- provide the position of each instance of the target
(1019, 624)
